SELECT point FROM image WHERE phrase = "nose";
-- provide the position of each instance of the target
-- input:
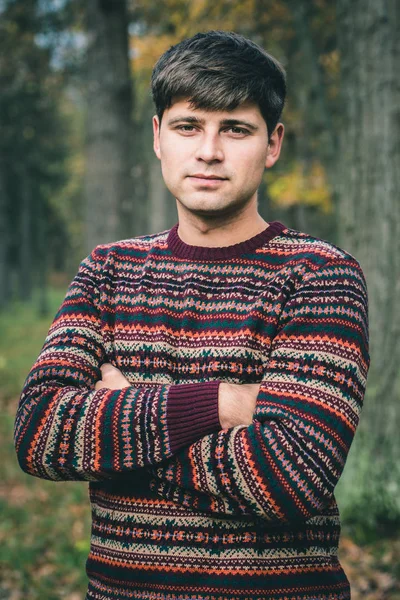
(209, 148)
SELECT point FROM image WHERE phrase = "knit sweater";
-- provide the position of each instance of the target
(182, 509)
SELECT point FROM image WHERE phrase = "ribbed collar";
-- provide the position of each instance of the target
(183, 250)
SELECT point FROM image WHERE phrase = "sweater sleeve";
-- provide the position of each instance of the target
(65, 430)
(285, 465)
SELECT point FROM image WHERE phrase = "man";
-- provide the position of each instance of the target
(207, 380)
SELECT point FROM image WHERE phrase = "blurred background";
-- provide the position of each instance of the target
(77, 169)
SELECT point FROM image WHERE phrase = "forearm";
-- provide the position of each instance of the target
(264, 471)
(63, 432)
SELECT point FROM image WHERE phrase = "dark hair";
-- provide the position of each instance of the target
(219, 70)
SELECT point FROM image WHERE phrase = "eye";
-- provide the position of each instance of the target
(238, 131)
(186, 128)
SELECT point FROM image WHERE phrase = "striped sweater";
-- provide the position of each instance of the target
(180, 508)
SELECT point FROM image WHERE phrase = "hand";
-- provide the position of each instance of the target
(111, 378)
(237, 403)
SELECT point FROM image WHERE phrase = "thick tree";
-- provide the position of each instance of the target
(369, 225)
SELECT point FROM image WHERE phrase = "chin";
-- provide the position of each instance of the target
(211, 208)
(212, 211)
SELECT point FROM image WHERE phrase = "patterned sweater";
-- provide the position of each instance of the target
(182, 509)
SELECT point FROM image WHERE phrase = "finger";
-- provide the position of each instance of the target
(99, 385)
(108, 369)
(112, 377)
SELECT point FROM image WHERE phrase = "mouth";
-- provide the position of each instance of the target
(206, 181)
(207, 177)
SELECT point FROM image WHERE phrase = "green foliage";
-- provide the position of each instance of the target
(300, 187)
(374, 515)
(44, 531)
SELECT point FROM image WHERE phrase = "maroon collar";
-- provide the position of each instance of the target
(183, 250)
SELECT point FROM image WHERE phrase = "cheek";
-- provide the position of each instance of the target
(172, 166)
(168, 160)
(169, 174)
(252, 166)
(176, 162)
(174, 152)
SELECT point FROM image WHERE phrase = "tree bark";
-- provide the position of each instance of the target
(41, 243)
(108, 178)
(369, 217)
(315, 133)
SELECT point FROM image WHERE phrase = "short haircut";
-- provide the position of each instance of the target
(219, 70)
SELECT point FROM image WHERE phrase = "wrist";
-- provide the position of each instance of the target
(237, 403)
(227, 411)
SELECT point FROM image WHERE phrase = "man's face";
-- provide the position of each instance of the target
(213, 161)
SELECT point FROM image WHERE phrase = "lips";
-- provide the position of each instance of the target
(207, 177)
(204, 182)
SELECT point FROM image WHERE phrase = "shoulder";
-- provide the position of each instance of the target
(324, 270)
(317, 263)
(141, 245)
(108, 260)
(314, 252)
(119, 255)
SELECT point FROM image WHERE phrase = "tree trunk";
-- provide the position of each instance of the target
(308, 77)
(369, 224)
(109, 193)
(316, 138)
(25, 266)
(41, 243)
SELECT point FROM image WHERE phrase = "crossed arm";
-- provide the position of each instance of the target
(66, 428)
(236, 403)
(280, 461)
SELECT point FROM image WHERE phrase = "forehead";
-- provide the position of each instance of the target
(248, 111)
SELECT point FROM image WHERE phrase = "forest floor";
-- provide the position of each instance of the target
(45, 526)
(373, 570)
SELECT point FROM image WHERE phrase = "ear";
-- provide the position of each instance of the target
(156, 136)
(275, 145)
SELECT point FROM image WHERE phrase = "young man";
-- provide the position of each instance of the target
(207, 380)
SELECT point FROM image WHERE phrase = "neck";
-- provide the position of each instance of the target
(218, 231)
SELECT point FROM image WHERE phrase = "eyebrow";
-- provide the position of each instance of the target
(224, 122)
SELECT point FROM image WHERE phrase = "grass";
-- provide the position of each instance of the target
(45, 526)
(23, 331)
